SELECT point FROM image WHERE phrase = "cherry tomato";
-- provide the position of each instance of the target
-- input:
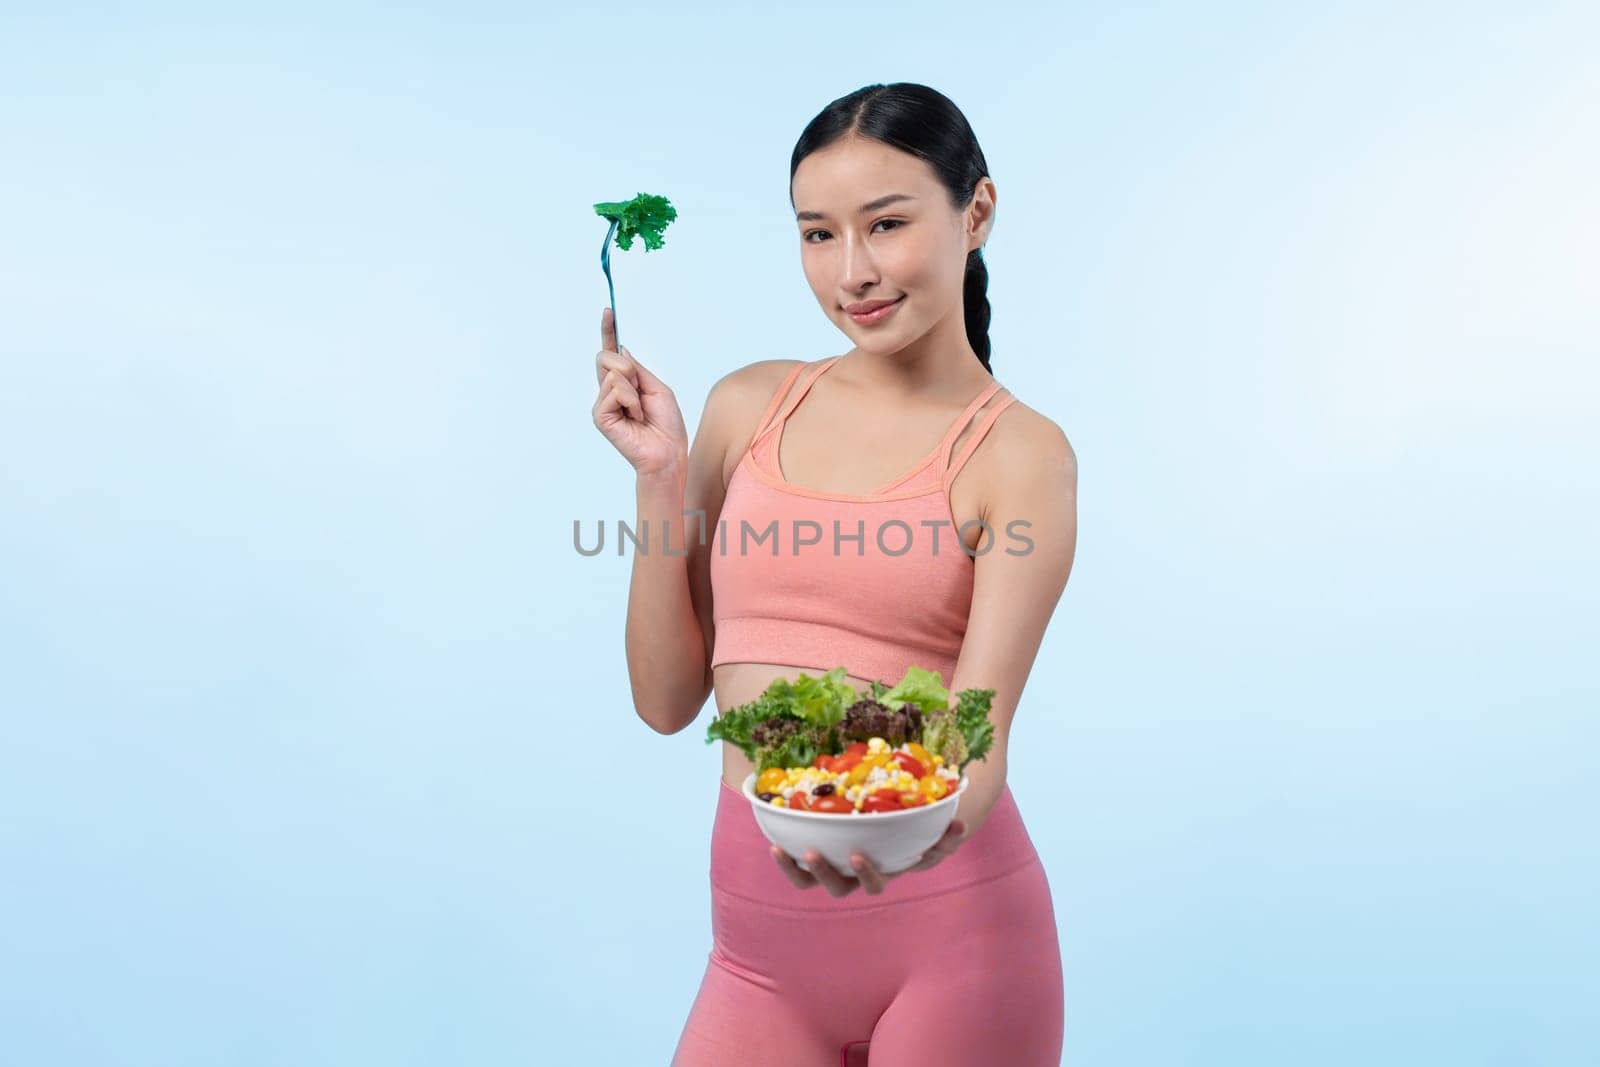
(771, 780)
(834, 803)
(798, 801)
(882, 800)
(921, 753)
(846, 762)
(909, 764)
(821, 760)
(859, 747)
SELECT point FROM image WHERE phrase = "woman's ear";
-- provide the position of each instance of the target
(980, 213)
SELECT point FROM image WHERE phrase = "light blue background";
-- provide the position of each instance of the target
(317, 741)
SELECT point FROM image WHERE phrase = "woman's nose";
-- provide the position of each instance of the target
(858, 267)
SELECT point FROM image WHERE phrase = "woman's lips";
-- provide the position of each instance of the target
(877, 314)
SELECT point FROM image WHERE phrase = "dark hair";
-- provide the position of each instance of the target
(928, 125)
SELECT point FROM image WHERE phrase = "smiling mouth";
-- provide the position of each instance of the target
(876, 313)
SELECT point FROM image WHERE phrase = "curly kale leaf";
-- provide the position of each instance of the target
(781, 741)
(814, 705)
(785, 742)
(972, 719)
(737, 725)
(645, 215)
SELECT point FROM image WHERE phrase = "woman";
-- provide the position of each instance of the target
(954, 961)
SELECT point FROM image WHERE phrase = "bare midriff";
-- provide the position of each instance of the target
(740, 683)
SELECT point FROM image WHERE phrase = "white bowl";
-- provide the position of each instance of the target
(894, 840)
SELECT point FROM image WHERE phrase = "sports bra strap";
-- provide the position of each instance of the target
(789, 395)
(767, 419)
(977, 435)
(961, 423)
(798, 393)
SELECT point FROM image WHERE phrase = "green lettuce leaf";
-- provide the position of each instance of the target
(736, 725)
(923, 688)
(817, 701)
(822, 700)
(961, 733)
(942, 737)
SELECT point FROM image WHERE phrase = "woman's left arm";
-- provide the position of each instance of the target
(1030, 503)
(1021, 568)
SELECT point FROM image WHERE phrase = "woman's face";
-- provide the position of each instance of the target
(913, 251)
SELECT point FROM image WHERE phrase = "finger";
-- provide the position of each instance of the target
(620, 403)
(648, 382)
(605, 361)
(832, 880)
(796, 873)
(626, 394)
(954, 834)
(606, 409)
(605, 403)
(608, 330)
(872, 880)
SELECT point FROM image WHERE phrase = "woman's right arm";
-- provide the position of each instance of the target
(679, 491)
(670, 633)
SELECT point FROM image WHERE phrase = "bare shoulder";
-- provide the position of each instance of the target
(734, 405)
(1027, 440)
(760, 378)
(1025, 433)
(737, 399)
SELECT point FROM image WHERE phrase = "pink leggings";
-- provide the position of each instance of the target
(952, 966)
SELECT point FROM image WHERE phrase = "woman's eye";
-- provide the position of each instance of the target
(809, 234)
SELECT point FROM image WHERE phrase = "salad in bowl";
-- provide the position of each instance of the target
(839, 769)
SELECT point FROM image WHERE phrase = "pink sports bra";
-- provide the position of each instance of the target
(873, 582)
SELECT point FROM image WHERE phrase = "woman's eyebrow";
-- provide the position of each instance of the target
(870, 205)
